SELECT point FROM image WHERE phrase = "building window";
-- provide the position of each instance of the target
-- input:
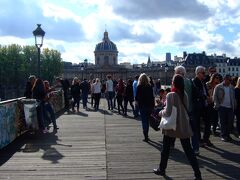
(223, 70)
(229, 69)
(220, 70)
(232, 68)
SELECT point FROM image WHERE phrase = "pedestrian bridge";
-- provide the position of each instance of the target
(105, 145)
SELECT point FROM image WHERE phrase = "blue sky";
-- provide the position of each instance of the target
(138, 27)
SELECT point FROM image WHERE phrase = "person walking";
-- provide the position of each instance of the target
(145, 102)
(96, 93)
(109, 92)
(76, 93)
(135, 83)
(85, 87)
(177, 98)
(120, 92)
(128, 97)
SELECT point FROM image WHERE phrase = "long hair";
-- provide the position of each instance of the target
(215, 75)
(143, 80)
(178, 83)
(238, 83)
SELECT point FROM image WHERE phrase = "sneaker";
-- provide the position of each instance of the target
(159, 172)
(224, 139)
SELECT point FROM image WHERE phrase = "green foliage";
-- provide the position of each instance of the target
(18, 62)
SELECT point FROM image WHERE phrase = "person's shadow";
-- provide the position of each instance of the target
(32, 142)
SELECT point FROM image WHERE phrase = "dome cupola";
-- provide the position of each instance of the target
(106, 53)
(106, 44)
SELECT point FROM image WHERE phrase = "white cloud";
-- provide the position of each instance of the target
(155, 9)
(138, 27)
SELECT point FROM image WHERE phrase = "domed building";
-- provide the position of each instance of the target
(106, 53)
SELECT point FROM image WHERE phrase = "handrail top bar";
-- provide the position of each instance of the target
(11, 100)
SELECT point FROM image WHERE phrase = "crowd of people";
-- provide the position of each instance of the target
(206, 105)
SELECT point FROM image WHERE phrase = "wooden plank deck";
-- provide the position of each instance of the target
(105, 145)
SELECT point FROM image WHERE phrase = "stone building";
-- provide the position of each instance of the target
(106, 62)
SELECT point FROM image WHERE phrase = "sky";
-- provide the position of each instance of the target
(139, 28)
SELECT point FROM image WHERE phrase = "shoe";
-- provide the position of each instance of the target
(146, 139)
(198, 178)
(159, 172)
(224, 139)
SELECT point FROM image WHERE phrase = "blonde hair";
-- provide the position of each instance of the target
(238, 83)
(75, 80)
(143, 80)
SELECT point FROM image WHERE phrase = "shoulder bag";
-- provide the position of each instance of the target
(169, 122)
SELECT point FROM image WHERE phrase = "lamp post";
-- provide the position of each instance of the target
(82, 68)
(166, 69)
(39, 35)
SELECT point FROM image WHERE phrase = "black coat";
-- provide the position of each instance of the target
(145, 96)
(198, 96)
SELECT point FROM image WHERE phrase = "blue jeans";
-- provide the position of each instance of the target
(49, 109)
(40, 115)
(84, 99)
(109, 99)
(145, 115)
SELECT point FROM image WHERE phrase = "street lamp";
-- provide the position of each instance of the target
(39, 35)
(166, 69)
(82, 68)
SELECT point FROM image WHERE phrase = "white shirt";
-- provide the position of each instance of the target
(97, 88)
(109, 84)
(226, 101)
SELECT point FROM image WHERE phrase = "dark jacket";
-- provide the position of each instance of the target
(237, 97)
(28, 90)
(145, 96)
(128, 95)
(198, 96)
(85, 87)
(75, 91)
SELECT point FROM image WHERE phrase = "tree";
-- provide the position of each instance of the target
(17, 63)
(52, 64)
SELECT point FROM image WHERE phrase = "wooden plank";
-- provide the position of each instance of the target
(105, 145)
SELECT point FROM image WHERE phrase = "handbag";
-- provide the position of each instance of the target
(169, 122)
(154, 120)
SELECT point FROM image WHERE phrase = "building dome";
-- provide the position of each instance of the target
(106, 44)
(106, 53)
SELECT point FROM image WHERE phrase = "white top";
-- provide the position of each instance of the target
(97, 88)
(109, 85)
(226, 101)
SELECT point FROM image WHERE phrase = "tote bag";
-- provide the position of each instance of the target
(170, 122)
